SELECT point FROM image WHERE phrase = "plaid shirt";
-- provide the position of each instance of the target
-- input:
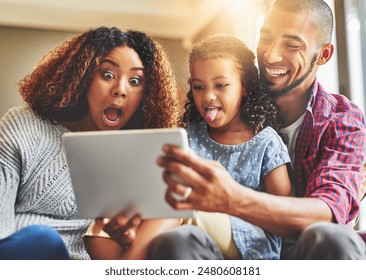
(330, 151)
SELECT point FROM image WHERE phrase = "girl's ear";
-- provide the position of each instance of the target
(325, 54)
(189, 83)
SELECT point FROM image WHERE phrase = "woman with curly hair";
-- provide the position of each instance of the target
(232, 121)
(102, 79)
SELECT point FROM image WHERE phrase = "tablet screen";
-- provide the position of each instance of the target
(116, 172)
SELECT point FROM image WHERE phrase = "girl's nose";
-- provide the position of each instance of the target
(210, 95)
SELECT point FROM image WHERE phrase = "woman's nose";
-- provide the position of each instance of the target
(116, 93)
(120, 90)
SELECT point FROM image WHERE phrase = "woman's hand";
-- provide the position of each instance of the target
(213, 189)
(130, 237)
(121, 228)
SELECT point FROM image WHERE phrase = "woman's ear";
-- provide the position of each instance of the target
(243, 88)
(325, 54)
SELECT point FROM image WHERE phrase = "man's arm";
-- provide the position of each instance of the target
(214, 190)
(337, 167)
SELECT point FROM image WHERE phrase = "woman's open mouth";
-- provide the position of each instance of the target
(112, 116)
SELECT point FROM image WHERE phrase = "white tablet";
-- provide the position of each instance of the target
(116, 172)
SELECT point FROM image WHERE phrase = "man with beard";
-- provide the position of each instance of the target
(326, 138)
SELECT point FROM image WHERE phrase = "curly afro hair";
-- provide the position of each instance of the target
(257, 108)
(57, 88)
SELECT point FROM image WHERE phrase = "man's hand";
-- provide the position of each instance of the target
(212, 186)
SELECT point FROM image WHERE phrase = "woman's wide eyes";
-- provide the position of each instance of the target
(108, 75)
(135, 81)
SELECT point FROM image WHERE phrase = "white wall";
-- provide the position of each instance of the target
(20, 50)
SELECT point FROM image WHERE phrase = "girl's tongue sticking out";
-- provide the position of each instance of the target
(211, 114)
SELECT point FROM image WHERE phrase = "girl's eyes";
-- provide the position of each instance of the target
(218, 86)
(197, 87)
(221, 85)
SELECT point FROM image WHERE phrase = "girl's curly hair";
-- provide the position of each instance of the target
(57, 88)
(258, 109)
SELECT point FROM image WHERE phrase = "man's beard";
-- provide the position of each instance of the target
(283, 91)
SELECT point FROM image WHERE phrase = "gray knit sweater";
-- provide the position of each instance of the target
(35, 184)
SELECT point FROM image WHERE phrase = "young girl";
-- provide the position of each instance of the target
(102, 79)
(229, 119)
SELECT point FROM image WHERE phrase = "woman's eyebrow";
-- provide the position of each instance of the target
(138, 68)
(107, 60)
(114, 63)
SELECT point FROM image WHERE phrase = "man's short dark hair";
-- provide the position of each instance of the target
(322, 14)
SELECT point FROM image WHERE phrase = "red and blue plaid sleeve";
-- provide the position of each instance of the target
(334, 160)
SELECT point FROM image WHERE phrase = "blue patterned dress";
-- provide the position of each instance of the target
(247, 163)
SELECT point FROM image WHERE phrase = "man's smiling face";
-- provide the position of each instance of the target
(287, 51)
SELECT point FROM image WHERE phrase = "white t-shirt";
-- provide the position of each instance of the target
(291, 133)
